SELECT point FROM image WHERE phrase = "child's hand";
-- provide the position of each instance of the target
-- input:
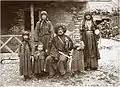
(36, 58)
(80, 47)
(32, 58)
(56, 58)
(82, 43)
(44, 70)
(76, 46)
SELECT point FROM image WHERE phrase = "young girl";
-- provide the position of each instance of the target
(78, 57)
(25, 56)
(39, 60)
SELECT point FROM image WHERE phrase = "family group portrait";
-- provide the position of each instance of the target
(60, 43)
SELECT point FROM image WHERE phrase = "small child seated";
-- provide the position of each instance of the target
(39, 60)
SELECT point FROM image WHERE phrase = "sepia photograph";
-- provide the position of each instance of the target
(60, 43)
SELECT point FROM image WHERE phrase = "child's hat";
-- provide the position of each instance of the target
(25, 33)
(40, 43)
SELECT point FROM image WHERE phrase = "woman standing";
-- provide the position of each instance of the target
(91, 52)
(44, 32)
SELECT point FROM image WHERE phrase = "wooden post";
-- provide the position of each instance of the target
(32, 24)
(39, 12)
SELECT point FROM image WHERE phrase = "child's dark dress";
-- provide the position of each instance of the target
(39, 62)
(78, 59)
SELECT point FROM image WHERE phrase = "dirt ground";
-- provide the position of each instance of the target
(107, 75)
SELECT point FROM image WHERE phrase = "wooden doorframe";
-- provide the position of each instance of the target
(32, 25)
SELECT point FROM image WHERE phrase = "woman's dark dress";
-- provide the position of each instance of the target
(91, 52)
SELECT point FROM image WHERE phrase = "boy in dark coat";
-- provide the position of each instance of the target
(25, 52)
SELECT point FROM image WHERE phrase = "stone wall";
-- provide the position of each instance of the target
(59, 15)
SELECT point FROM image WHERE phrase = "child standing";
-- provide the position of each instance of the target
(78, 57)
(39, 60)
(25, 52)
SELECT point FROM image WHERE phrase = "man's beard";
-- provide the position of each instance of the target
(60, 33)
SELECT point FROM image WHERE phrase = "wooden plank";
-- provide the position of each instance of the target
(7, 47)
(19, 42)
(32, 24)
(17, 50)
(54, 0)
(18, 39)
(11, 35)
(6, 43)
(32, 21)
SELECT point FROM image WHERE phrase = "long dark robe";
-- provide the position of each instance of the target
(25, 61)
(44, 33)
(91, 53)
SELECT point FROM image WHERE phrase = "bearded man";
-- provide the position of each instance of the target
(61, 46)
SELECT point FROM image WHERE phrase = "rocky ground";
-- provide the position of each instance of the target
(107, 75)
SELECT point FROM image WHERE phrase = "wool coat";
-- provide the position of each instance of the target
(24, 53)
(56, 59)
